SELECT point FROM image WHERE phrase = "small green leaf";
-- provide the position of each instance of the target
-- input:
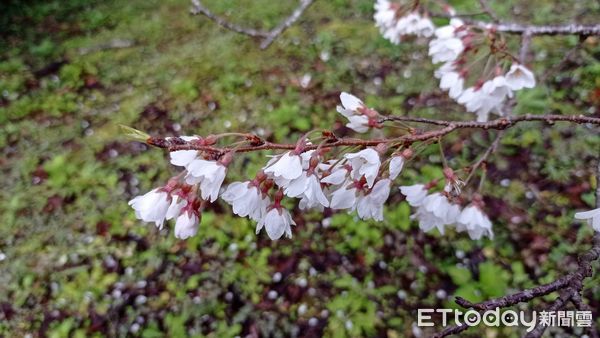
(134, 134)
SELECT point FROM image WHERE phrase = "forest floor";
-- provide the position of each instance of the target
(75, 262)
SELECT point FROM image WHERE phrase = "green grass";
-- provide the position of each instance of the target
(79, 264)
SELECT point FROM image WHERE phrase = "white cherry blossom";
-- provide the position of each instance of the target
(365, 162)
(351, 109)
(186, 225)
(210, 175)
(436, 212)
(287, 166)
(371, 205)
(519, 77)
(475, 222)
(152, 206)
(445, 50)
(453, 83)
(415, 194)
(245, 199)
(592, 217)
(344, 197)
(276, 222)
(177, 204)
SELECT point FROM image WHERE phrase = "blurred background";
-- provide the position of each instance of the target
(74, 261)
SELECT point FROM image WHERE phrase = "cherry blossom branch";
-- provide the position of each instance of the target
(569, 286)
(258, 144)
(267, 36)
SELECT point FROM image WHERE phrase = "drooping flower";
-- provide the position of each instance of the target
(592, 217)
(490, 97)
(371, 204)
(245, 199)
(186, 224)
(365, 162)
(152, 206)
(344, 197)
(287, 166)
(335, 175)
(177, 204)
(436, 212)
(519, 77)
(210, 175)
(276, 222)
(415, 194)
(396, 165)
(307, 186)
(475, 222)
(452, 82)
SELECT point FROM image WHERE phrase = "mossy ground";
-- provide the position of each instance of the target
(77, 262)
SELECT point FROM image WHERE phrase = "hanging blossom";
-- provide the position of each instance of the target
(176, 200)
(453, 46)
(475, 222)
(395, 21)
(247, 198)
(277, 221)
(438, 211)
(592, 217)
(360, 116)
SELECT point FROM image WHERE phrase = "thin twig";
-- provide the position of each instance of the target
(174, 144)
(525, 42)
(199, 8)
(285, 24)
(485, 6)
(490, 150)
(267, 36)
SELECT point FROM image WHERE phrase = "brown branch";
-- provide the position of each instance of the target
(199, 8)
(257, 144)
(267, 36)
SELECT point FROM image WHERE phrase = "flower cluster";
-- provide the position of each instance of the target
(458, 47)
(396, 21)
(437, 211)
(453, 45)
